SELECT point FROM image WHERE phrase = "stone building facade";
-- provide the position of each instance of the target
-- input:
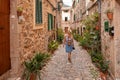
(78, 11)
(65, 17)
(28, 37)
(110, 43)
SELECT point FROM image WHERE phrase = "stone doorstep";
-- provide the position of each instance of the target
(14, 78)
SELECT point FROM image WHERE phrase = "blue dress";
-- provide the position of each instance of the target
(68, 48)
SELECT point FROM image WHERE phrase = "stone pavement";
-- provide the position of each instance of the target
(80, 69)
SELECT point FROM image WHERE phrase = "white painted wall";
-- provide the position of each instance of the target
(65, 14)
(87, 1)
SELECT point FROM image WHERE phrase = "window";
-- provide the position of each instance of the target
(80, 13)
(74, 17)
(50, 22)
(38, 6)
(66, 18)
(65, 10)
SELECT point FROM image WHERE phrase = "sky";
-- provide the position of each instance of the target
(68, 2)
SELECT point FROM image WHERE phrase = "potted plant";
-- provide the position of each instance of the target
(33, 66)
(109, 13)
(104, 65)
(52, 46)
(97, 27)
(19, 11)
(31, 70)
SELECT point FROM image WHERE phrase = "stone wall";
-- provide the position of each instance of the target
(26, 37)
(92, 7)
(117, 38)
(110, 45)
(34, 40)
(65, 14)
(107, 40)
(79, 11)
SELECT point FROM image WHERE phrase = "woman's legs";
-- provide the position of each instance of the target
(69, 57)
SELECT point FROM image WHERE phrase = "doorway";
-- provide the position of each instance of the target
(5, 64)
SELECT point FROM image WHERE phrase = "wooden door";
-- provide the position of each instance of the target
(4, 36)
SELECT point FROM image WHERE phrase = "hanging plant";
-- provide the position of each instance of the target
(19, 11)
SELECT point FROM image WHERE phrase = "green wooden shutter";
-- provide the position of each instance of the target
(37, 15)
(48, 23)
(51, 21)
(38, 11)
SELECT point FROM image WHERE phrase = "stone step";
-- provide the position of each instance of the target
(14, 78)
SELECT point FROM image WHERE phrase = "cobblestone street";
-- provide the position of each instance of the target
(58, 69)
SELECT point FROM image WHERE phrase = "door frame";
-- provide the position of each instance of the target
(14, 43)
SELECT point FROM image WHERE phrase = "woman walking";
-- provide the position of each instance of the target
(69, 44)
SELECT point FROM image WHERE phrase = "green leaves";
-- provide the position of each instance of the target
(60, 35)
(34, 65)
(53, 45)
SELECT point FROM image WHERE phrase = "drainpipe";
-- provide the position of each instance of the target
(99, 11)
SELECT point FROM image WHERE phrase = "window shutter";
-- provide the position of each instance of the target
(51, 21)
(37, 15)
(48, 23)
(38, 11)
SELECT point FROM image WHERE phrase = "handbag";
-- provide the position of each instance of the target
(73, 48)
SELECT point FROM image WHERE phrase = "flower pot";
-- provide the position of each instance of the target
(33, 76)
(110, 15)
(97, 27)
(19, 13)
(103, 76)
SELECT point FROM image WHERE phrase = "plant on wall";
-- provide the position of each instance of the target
(92, 42)
(19, 11)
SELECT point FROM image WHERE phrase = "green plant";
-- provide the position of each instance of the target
(95, 17)
(41, 58)
(96, 56)
(76, 36)
(34, 65)
(74, 31)
(60, 35)
(104, 65)
(53, 45)
(20, 9)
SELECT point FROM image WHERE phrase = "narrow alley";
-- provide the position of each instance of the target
(32, 30)
(80, 69)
